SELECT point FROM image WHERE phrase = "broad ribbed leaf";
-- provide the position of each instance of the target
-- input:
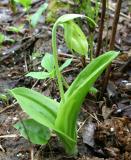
(74, 97)
(96, 66)
(38, 75)
(39, 107)
(33, 131)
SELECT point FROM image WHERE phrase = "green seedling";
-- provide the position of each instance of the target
(15, 29)
(60, 117)
(48, 64)
(4, 98)
(2, 38)
(34, 19)
(12, 5)
(54, 7)
(25, 3)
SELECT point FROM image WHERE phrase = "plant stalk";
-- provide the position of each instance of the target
(91, 45)
(115, 22)
(99, 43)
(112, 41)
(58, 73)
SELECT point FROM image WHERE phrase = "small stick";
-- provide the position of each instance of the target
(101, 28)
(2, 148)
(32, 153)
(115, 22)
(10, 106)
(112, 41)
(9, 136)
(83, 61)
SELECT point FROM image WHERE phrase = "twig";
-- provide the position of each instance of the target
(121, 14)
(32, 153)
(26, 66)
(9, 136)
(10, 106)
(112, 41)
(95, 117)
(83, 123)
(112, 9)
(2, 148)
(35, 84)
(114, 27)
(101, 28)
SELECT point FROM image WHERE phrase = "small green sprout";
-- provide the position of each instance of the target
(25, 3)
(2, 38)
(15, 29)
(36, 16)
(48, 64)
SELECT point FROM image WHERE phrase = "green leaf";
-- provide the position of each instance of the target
(77, 40)
(93, 90)
(5, 38)
(3, 97)
(38, 75)
(15, 29)
(95, 67)
(25, 3)
(39, 107)
(68, 17)
(33, 131)
(2, 38)
(74, 97)
(9, 39)
(35, 17)
(65, 64)
(48, 62)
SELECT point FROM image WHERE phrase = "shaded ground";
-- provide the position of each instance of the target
(104, 125)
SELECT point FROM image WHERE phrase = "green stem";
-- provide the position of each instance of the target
(91, 46)
(58, 73)
(65, 83)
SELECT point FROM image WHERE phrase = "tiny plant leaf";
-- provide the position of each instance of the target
(48, 62)
(36, 16)
(2, 38)
(65, 64)
(38, 75)
(25, 3)
(15, 29)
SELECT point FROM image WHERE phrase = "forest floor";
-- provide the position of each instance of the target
(104, 125)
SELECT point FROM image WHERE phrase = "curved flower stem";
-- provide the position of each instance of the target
(58, 73)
